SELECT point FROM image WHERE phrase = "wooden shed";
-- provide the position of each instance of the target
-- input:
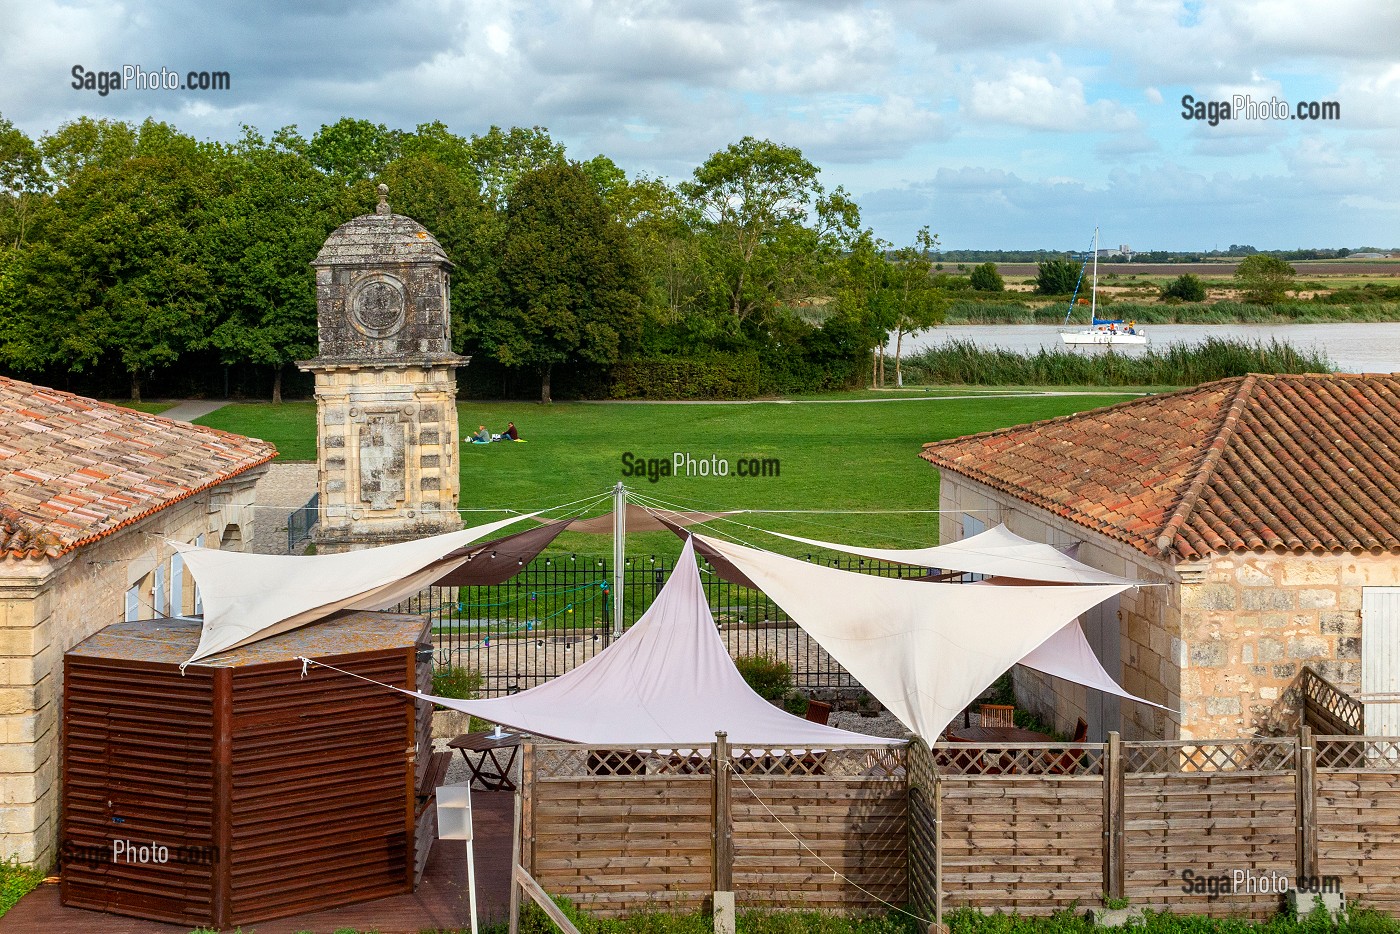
(243, 789)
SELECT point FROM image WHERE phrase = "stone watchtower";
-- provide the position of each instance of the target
(386, 389)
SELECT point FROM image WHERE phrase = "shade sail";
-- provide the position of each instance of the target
(924, 650)
(643, 519)
(248, 597)
(667, 682)
(1067, 655)
(500, 559)
(998, 552)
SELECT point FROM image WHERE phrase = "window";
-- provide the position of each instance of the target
(177, 585)
(158, 596)
(198, 602)
(133, 603)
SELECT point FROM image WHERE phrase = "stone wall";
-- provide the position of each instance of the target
(1251, 622)
(1150, 647)
(49, 606)
(387, 454)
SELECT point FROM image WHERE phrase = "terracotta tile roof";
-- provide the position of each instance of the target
(73, 469)
(1301, 464)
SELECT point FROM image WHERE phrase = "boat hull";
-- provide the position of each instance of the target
(1102, 338)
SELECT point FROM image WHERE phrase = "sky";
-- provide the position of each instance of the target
(998, 124)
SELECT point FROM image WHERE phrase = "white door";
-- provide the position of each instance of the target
(1380, 659)
(971, 525)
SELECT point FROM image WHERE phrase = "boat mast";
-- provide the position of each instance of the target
(1094, 288)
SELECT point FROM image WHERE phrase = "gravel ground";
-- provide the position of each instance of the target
(284, 488)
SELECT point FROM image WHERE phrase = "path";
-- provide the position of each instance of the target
(909, 398)
(190, 409)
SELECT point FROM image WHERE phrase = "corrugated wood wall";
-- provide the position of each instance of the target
(138, 765)
(323, 784)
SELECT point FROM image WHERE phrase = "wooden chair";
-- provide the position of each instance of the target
(997, 714)
(818, 711)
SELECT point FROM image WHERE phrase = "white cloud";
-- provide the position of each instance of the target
(1039, 96)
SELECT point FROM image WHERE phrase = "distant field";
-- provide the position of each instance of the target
(1305, 268)
(861, 456)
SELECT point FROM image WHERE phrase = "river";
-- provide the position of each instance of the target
(1355, 348)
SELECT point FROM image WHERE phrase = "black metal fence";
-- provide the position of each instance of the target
(558, 612)
(301, 521)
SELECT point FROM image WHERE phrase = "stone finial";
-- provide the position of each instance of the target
(383, 206)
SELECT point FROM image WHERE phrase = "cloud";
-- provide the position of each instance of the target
(1038, 96)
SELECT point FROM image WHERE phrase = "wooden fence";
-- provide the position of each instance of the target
(621, 830)
(1327, 708)
(1212, 827)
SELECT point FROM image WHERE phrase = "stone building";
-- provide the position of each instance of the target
(90, 496)
(1265, 508)
(386, 389)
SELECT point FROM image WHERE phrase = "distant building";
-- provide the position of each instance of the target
(1266, 507)
(1124, 252)
(89, 495)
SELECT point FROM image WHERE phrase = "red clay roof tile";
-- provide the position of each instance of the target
(73, 470)
(1306, 463)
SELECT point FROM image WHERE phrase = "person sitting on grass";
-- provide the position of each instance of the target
(482, 436)
(510, 434)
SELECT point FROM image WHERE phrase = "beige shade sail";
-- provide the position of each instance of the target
(643, 519)
(924, 650)
(997, 552)
(668, 682)
(248, 597)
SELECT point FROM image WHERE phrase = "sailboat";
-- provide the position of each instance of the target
(1100, 331)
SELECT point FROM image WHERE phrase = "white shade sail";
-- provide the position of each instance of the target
(924, 650)
(997, 552)
(668, 682)
(248, 597)
(1067, 655)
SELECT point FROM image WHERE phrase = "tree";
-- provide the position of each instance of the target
(1185, 288)
(570, 280)
(114, 274)
(916, 303)
(1056, 277)
(1264, 278)
(351, 150)
(272, 215)
(754, 200)
(23, 183)
(502, 158)
(985, 278)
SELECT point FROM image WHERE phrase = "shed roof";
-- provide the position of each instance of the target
(73, 470)
(170, 641)
(1294, 463)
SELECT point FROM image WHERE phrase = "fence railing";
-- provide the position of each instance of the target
(1327, 708)
(1218, 827)
(557, 613)
(301, 521)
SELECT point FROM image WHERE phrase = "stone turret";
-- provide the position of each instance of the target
(386, 390)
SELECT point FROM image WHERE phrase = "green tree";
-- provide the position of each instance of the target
(351, 150)
(1264, 278)
(918, 304)
(500, 158)
(571, 283)
(985, 278)
(114, 274)
(754, 200)
(1185, 288)
(273, 213)
(23, 183)
(1056, 277)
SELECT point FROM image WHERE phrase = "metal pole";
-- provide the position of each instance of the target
(619, 550)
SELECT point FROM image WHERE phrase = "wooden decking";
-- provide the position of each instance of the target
(439, 904)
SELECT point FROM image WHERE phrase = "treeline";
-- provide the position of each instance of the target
(1236, 251)
(138, 259)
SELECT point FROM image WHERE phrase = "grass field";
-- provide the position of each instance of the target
(853, 456)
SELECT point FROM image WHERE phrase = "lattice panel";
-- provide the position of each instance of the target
(1345, 713)
(1038, 759)
(554, 761)
(1259, 755)
(1357, 753)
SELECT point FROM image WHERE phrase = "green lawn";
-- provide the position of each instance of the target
(150, 408)
(831, 457)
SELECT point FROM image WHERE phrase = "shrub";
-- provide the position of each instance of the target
(769, 678)
(1186, 288)
(985, 278)
(16, 881)
(1264, 278)
(1056, 277)
(456, 682)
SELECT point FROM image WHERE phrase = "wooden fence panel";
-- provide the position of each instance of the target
(793, 835)
(1029, 844)
(1358, 817)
